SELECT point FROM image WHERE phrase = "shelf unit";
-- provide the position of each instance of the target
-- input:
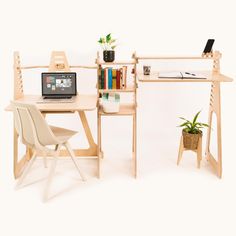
(126, 109)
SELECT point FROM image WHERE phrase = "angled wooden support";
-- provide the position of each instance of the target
(216, 109)
(198, 151)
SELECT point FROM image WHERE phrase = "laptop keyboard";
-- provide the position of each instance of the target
(57, 97)
(56, 100)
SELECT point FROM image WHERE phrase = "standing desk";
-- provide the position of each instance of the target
(215, 78)
(82, 103)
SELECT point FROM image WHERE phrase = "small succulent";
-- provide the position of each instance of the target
(193, 127)
(107, 43)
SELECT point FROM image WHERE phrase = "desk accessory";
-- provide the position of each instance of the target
(207, 52)
(111, 102)
(181, 75)
(108, 46)
(146, 70)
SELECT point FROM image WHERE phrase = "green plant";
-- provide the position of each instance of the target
(107, 43)
(193, 127)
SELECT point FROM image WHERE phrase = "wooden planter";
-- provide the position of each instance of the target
(190, 141)
(108, 55)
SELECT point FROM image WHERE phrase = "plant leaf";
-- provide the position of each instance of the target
(108, 38)
(195, 117)
(182, 118)
(100, 40)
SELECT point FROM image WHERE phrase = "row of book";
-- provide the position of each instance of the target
(110, 78)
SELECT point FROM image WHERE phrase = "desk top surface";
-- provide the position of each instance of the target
(81, 103)
(210, 77)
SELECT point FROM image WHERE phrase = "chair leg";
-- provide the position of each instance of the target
(27, 169)
(72, 154)
(51, 173)
(50, 177)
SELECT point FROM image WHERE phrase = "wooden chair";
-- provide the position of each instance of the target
(36, 134)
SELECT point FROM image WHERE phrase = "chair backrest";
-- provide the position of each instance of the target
(31, 126)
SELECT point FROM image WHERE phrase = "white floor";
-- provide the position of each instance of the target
(163, 200)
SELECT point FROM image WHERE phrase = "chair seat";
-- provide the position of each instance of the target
(62, 134)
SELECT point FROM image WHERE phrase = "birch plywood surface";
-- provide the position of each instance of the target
(210, 77)
(81, 103)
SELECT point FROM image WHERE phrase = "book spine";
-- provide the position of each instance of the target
(102, 78)
(109, 78)
(113, 78)
(106, 78)
(99, 79)
(118, 79)
(124, 70)
(121, 78)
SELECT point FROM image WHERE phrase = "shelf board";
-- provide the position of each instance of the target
(125, 110)
(129, 89)
(175, 58)
(114, 63)
(210, 77)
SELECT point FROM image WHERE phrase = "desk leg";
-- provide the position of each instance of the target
(134, 148)
(215, 107)
(92, 150)
(99, 138)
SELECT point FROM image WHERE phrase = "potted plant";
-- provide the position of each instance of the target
(108, 46)
(191, 132)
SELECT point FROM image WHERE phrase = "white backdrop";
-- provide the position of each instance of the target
(165, 199)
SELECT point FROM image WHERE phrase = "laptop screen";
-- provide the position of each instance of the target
(59, 84)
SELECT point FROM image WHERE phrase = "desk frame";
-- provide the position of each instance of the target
(215, 101)
(58, 63)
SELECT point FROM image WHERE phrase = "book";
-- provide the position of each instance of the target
(180, 75)
(124, 76)
(114, 79)
(106, 78)
(109, 78)
(118, 79)
(100, 79)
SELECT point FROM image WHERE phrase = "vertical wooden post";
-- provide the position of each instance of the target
(215, 107)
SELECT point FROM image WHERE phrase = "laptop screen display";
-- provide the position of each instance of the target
(58, 84)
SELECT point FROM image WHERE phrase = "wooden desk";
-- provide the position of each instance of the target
(58, 63)
(81, 104)
(215, 78)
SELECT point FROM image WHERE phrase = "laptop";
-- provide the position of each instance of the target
(58, 87)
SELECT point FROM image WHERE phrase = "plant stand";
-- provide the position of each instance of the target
(198, 151)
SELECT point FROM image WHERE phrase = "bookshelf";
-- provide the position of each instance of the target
(127, 106)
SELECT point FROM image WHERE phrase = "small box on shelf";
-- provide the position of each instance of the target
(110, 102)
